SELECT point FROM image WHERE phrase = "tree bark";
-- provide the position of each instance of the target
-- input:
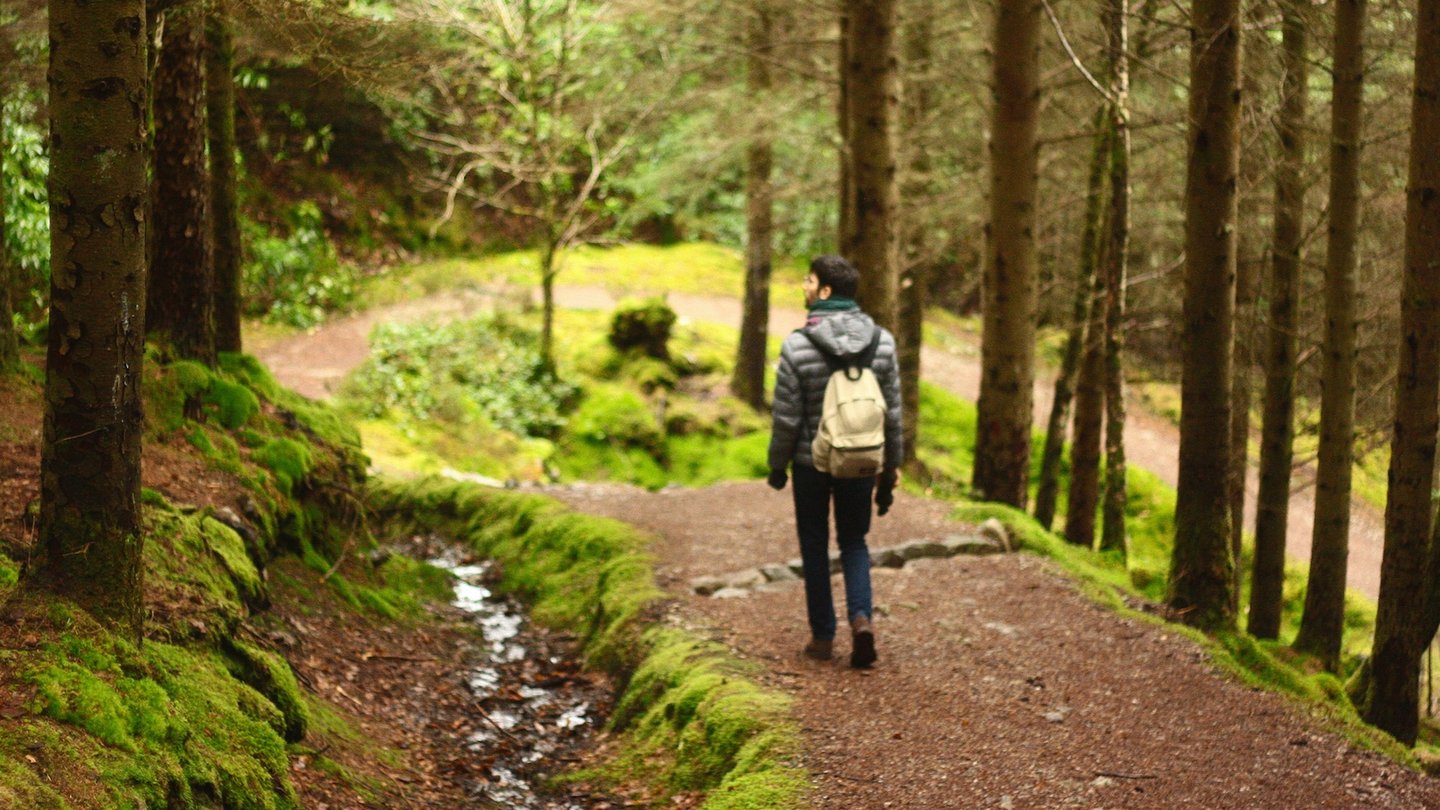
(748, 383)
(1048, 489)
(1201, 567)
(225, 217)
(182, 292)
(1084, 494)
(1247, 272)
(845, 233)
(874, 90)
(914, 280)
(1007, 347)
(1322, 625)
(1112, 535)
(9, 341)
(90, 458)
(1400, 640)
(1272, 506)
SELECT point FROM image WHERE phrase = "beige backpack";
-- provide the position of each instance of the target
(850, 442)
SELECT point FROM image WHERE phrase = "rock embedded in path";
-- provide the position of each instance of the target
(995, 530)
(922, 549)
(707, 585)
(886, 558)
(972, 545)
(778, 572)
(730, 593)
(748, 578)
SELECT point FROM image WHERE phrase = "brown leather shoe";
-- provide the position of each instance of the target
(821, 649)
(862, 643)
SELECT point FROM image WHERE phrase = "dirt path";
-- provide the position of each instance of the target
(315, 363)
(998, 686)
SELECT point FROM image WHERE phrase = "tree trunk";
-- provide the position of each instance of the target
(914, 281)
(547, 303)
(1322, 625)
(1007, 347)
(1201, 567)
(9, 341)
(1048, 488)
(182, 293)
(1247, 272)
(225, 218)
(748, 384)
(1399, 638)
(845, 234)
(1272, 506)
(1084, 494)
(90, 458)
(1112, 536)
(874, 89)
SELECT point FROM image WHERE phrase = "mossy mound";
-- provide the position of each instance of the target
(110, 724)
(692, 717)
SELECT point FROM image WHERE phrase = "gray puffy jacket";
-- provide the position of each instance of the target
(802, 375)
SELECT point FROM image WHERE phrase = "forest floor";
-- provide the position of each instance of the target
(315, 363)
(999, 683)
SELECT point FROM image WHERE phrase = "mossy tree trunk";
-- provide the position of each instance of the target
(9, 341)
(1322, 625)
(1089, 433)
(90, 459)
(1272, 506)
(748, 383)
(1048, 488)
(182, 292)
(1247, 271)
(1112, 535)
(1400, 639)
(1007, 344)
(1201, 568)
(874, 90)
(224, 209)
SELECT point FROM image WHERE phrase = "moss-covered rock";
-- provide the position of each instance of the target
(271, 676)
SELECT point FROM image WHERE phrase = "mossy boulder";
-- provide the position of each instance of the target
(269, 674)
(643, 326)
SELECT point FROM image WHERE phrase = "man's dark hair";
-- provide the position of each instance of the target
(838, 274)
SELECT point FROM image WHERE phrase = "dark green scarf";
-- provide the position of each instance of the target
(834, 304)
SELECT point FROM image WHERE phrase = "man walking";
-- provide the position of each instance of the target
(836, 335)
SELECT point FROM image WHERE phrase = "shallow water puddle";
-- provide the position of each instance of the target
(535, 703)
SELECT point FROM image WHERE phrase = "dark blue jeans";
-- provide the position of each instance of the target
(813, 491)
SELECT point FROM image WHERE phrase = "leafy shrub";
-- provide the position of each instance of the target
(487, 368)
(643, 326)
(27, 208)
(296, 279)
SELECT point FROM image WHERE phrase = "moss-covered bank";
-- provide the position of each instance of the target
(692, 717)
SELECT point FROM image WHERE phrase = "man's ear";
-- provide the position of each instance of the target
(824, 293)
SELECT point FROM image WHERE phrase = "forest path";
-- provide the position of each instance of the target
(314, 363)
(999, 685)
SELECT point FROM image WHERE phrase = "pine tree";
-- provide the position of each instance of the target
(748, 383)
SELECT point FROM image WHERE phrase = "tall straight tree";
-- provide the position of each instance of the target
(1322, 624)
(1084, 494)
(90, 457)
(181, 286)
(9, 341)
(224, 208)
(1201, 567)
(873, 85)
(748, 384)
(845, 230)
(1007, 344)
(1272, 506)
(1400, 635)
(1116, 266)
(1048, 489)
(913, 286)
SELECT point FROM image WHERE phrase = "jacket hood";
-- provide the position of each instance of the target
(841, 334)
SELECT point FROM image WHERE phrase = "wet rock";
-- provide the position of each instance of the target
(921, 549)
(969, 544)
(777, 572)
(995, 530)
(730, 593)
(886, 557)
(706, 585)
(797, 566)
(748, 578)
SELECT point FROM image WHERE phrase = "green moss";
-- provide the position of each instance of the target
(690, 709)
(271, 676)
(288, 459)
(203, 564)
(234, 403)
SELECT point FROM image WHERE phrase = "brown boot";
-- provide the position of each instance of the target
(862, 643)
(821, 649)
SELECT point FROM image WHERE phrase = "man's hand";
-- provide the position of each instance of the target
(885, 490)
(777, 480)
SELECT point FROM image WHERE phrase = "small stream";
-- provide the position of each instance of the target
(536, 705)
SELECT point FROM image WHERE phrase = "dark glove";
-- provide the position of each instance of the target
(777, 479)
(884, 491)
